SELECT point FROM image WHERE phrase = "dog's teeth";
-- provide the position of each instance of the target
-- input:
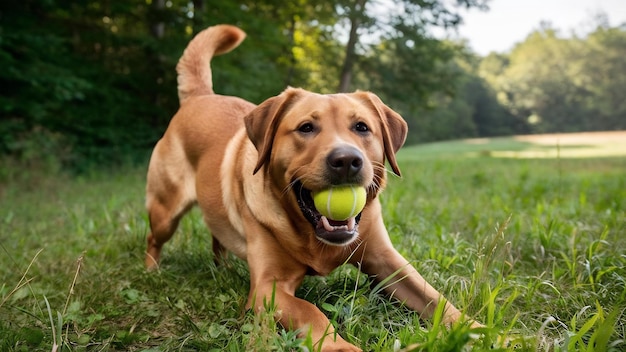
(351, 223)
(327, 226)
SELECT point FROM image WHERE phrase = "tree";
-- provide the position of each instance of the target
(561, 84)
(469, 109)
(355, 13)
(391, 19)
(604, 75)
(95, 83)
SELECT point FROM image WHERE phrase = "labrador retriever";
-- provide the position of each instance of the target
(252, 169)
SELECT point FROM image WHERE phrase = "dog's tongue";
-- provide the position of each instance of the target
(333, 225)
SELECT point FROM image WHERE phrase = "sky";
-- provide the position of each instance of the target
(510, 21)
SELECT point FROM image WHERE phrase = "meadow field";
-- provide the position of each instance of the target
(525, 234)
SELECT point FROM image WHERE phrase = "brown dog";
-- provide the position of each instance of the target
(252, 169)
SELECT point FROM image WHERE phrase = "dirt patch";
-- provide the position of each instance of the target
(583, 138)
(570, 145)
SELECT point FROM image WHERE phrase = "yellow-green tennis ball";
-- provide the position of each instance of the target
(340, 202)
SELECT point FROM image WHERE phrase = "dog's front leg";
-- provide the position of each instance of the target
(378, 258)
(297, 314)
(274, 278)
(407, 285)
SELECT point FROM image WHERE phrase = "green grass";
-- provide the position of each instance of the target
(533, 248)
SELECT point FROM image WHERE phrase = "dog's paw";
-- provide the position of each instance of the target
(343, 348)
(339, 345)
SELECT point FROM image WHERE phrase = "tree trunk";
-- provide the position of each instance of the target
(292, 58)
(356, 13)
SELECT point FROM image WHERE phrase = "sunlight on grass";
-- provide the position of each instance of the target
(551, 146)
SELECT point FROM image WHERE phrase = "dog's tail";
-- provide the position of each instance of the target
(194, 67)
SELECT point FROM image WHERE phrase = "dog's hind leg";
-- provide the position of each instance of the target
(219, 252)
(163, 224)
(170, 194)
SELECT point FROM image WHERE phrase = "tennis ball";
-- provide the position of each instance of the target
(340, 202)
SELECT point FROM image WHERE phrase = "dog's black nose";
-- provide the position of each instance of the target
(345, 164)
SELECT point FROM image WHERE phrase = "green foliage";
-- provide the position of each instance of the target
(93, 83)
(470, 109)
(68, 74)
(99, 78)
(102, 79)
(561, 84)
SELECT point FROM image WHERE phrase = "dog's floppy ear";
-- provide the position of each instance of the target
(394, 128)
(262, 123)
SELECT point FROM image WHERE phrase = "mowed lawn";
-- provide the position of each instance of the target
(526, 234)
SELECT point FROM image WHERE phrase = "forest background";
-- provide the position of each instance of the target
(92, 82)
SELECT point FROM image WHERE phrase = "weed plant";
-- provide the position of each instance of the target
(534, 249)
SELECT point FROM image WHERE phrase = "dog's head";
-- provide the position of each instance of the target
(307, 142)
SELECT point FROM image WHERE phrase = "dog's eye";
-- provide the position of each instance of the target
(306, 127)
(361, 127)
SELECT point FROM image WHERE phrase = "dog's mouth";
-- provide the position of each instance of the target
(337, 233)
